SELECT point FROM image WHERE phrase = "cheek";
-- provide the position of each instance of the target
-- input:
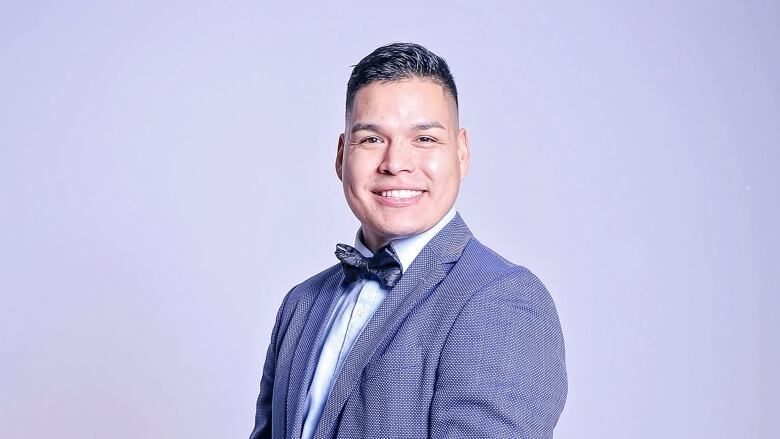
(441, 167)
(432, 163)
(434, 166)
(356, 179)
(351, 168)
(359, 168)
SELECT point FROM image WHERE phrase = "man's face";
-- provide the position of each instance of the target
(401, 158)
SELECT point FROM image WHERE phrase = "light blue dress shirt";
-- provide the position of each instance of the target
(354, 308)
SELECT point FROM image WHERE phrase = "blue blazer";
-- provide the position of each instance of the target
(466, 345)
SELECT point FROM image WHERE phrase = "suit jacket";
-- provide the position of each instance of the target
(466, 344)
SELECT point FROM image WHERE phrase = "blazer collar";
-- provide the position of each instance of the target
(424, 274)
(449, 243)
(408, 248)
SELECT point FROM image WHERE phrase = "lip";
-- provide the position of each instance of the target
(398, 202)
(396, 188)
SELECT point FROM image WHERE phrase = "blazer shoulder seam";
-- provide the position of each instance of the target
(498, 277)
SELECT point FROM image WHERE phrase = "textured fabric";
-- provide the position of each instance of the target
(353, 309)
(466, 344)
(347, 321)
(384, 266)
(407, 249)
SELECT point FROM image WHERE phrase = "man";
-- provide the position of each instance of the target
(420, 331)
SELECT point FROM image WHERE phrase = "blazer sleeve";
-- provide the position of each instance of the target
(262, 427)
(502, 372)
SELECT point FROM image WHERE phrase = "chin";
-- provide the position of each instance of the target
(402, 231)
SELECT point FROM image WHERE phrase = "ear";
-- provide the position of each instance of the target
(464, 152)
(340, 156)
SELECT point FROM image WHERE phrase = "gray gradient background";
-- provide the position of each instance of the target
(161, 164)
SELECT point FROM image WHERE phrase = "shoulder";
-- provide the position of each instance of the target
(495, 276)
(508, 321)
(505, 306)
(504, 297)
(312, 285)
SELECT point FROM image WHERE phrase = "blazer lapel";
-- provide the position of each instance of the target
(308, 320)
(428, 269)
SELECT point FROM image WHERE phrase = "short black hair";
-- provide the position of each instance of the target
(398, 61)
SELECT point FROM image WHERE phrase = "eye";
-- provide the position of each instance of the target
(426, 139)
(371, 139)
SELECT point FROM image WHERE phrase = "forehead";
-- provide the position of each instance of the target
(407, 98)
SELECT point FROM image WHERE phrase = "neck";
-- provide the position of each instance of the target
(373, 243)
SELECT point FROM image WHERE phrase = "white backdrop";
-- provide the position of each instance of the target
(166, 175)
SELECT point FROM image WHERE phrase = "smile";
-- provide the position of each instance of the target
(400, 193)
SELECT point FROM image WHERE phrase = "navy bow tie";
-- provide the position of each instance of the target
(384, 266)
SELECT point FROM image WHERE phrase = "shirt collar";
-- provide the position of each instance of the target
(407, 248)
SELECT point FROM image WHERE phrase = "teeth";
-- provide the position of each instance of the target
(401, 193)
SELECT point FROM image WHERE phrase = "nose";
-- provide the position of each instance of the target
(398, 157)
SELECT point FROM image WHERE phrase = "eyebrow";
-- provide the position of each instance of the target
(364, 127)
(428, 126)
(374, 127)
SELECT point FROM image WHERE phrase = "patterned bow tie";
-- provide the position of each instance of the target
(384, 266)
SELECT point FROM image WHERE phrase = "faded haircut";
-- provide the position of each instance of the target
(399, 61)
